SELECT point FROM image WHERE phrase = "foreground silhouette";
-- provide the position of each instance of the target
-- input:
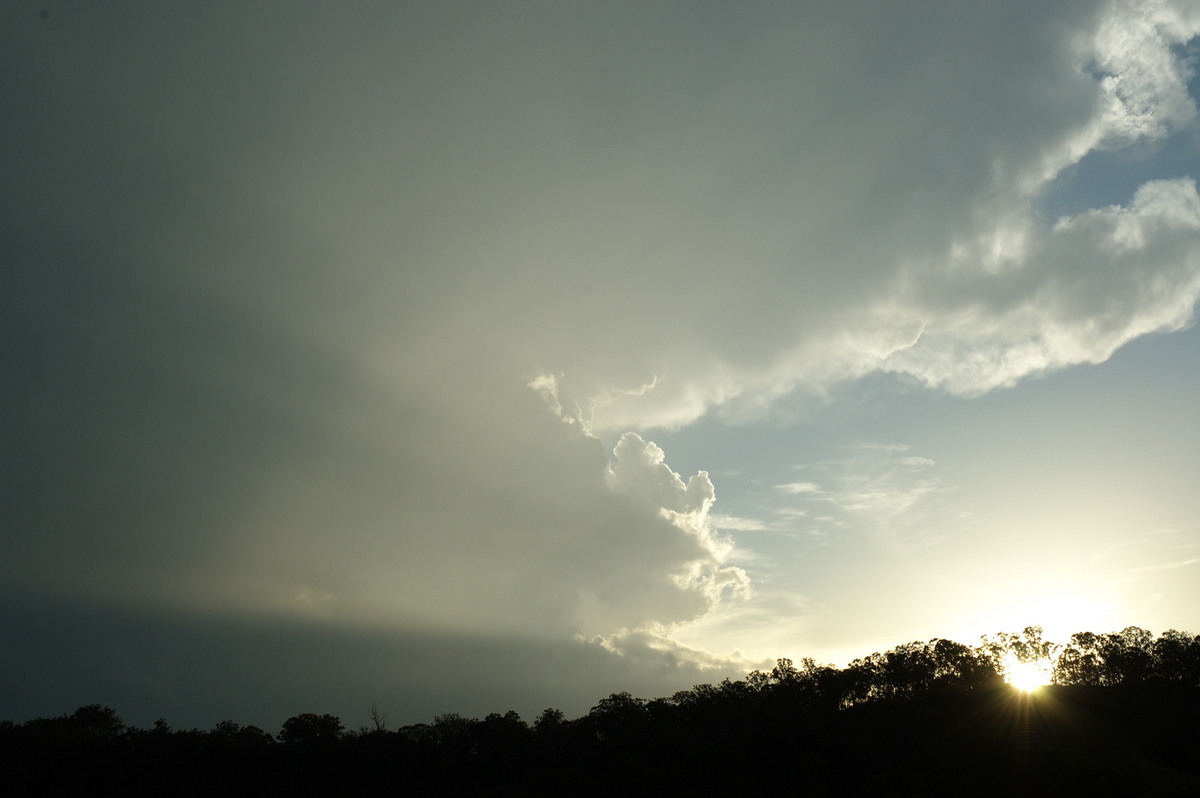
(934, 718)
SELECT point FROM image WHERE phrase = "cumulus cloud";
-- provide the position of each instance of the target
(641, 473)
(1143, 83)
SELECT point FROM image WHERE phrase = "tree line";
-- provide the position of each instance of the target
(930, 718)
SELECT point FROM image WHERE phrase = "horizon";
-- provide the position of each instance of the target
(1023, 660)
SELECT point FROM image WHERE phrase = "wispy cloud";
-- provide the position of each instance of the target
(721, 521)
(877, 490)
(794, 488)
(917, 462)
(1147, 557)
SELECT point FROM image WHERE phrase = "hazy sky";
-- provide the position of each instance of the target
(465, 357)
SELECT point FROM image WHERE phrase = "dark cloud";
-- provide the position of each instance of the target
(311, 315)
(196, 670)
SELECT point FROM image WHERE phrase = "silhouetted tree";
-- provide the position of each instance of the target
(908, 670)
(1177, 658)
(310, 728)
(1079, 662)
(1127, 655)
(454, 736)
(378, 719)
(1026, 646)
(616, 714)
(959, 666)
(97, 722)
(503, 743)
(549, 722)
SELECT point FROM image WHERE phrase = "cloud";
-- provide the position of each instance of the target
(793, 488)
(195, 670)
(753, 628)
(524, 541)
(878, 491)
(330, 330)
(966, 290)
(732, 522)
(1143, 83)
(917, 462)
(1082, 290)
(639, 472)
(659, 649)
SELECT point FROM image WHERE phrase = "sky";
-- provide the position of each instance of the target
(475, 356)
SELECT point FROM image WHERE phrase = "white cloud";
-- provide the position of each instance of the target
(791, 512)
(917, 462)
(1143, 83)
(735, 523)
(641, 473)
(1088, 286)
(658, 649)
(794, 488)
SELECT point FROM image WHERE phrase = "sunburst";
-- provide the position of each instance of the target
(1027, 676)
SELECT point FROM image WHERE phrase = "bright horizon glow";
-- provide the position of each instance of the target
(1060, 613)
(1027, 676)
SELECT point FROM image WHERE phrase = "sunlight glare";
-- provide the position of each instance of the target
(1027, 676)
(1061, 612)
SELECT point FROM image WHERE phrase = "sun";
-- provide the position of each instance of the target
(1027, 676)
